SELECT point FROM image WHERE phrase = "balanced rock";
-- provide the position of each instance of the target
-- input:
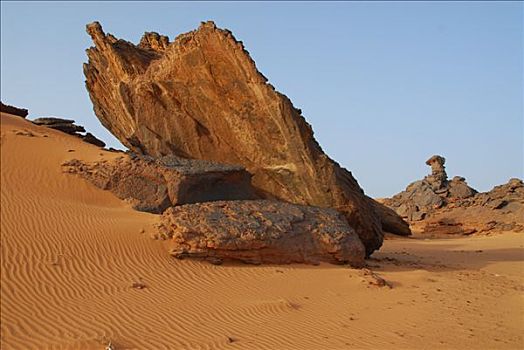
(435, 191)
(438, 178)
(21, 112)
(437, 206)
(152, 185)
(201, 96)
(261, 231)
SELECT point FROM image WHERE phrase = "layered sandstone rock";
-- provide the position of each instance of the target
(261, 231)
(153, 185)
(68, 126)
(201, 96)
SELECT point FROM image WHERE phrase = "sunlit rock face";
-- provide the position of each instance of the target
(201, 96)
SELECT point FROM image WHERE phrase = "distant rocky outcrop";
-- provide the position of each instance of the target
(153, 185)
(425, 196)
(68, 126)
(436, 205)
(21, 112)
(201, 96)
(501, 209)
(261, 231)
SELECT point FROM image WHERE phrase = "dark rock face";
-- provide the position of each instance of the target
(391, 221)
(21, 112)
(201, 96)
(65, 125)
(423, 197)
(261, 231)
(51, 121)
(68, 126)
(437, 206)
(92, 139)
(153, 185)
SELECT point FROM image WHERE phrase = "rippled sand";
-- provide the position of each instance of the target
(71, 254)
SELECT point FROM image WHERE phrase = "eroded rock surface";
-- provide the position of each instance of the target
(423, 197)
(438, 206)
(261, 231)
(153, 185)
(501, 209)
(201, 96)
(65, 125)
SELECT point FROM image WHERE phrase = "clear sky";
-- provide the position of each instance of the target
(384, 84)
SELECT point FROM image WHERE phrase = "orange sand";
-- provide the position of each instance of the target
(71, 252)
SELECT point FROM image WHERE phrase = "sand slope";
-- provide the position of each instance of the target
(70, 254)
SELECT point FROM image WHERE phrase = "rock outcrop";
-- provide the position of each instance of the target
(153, 185)
(65, 125)
(501, 209)
(21, 112)
(261, 231)
(423, 197)
(68, 126)
(201, 96)
(499, 197)
(437, 206)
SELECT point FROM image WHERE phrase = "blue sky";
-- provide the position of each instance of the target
(384, 84)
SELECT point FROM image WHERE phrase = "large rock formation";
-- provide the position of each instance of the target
(153, 185)
(201, 96)
(261, 232)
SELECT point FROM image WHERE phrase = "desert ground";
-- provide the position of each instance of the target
(79, 270)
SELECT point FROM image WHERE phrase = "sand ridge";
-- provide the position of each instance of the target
(70, 254)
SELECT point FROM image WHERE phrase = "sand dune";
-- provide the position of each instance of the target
(70, 254)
